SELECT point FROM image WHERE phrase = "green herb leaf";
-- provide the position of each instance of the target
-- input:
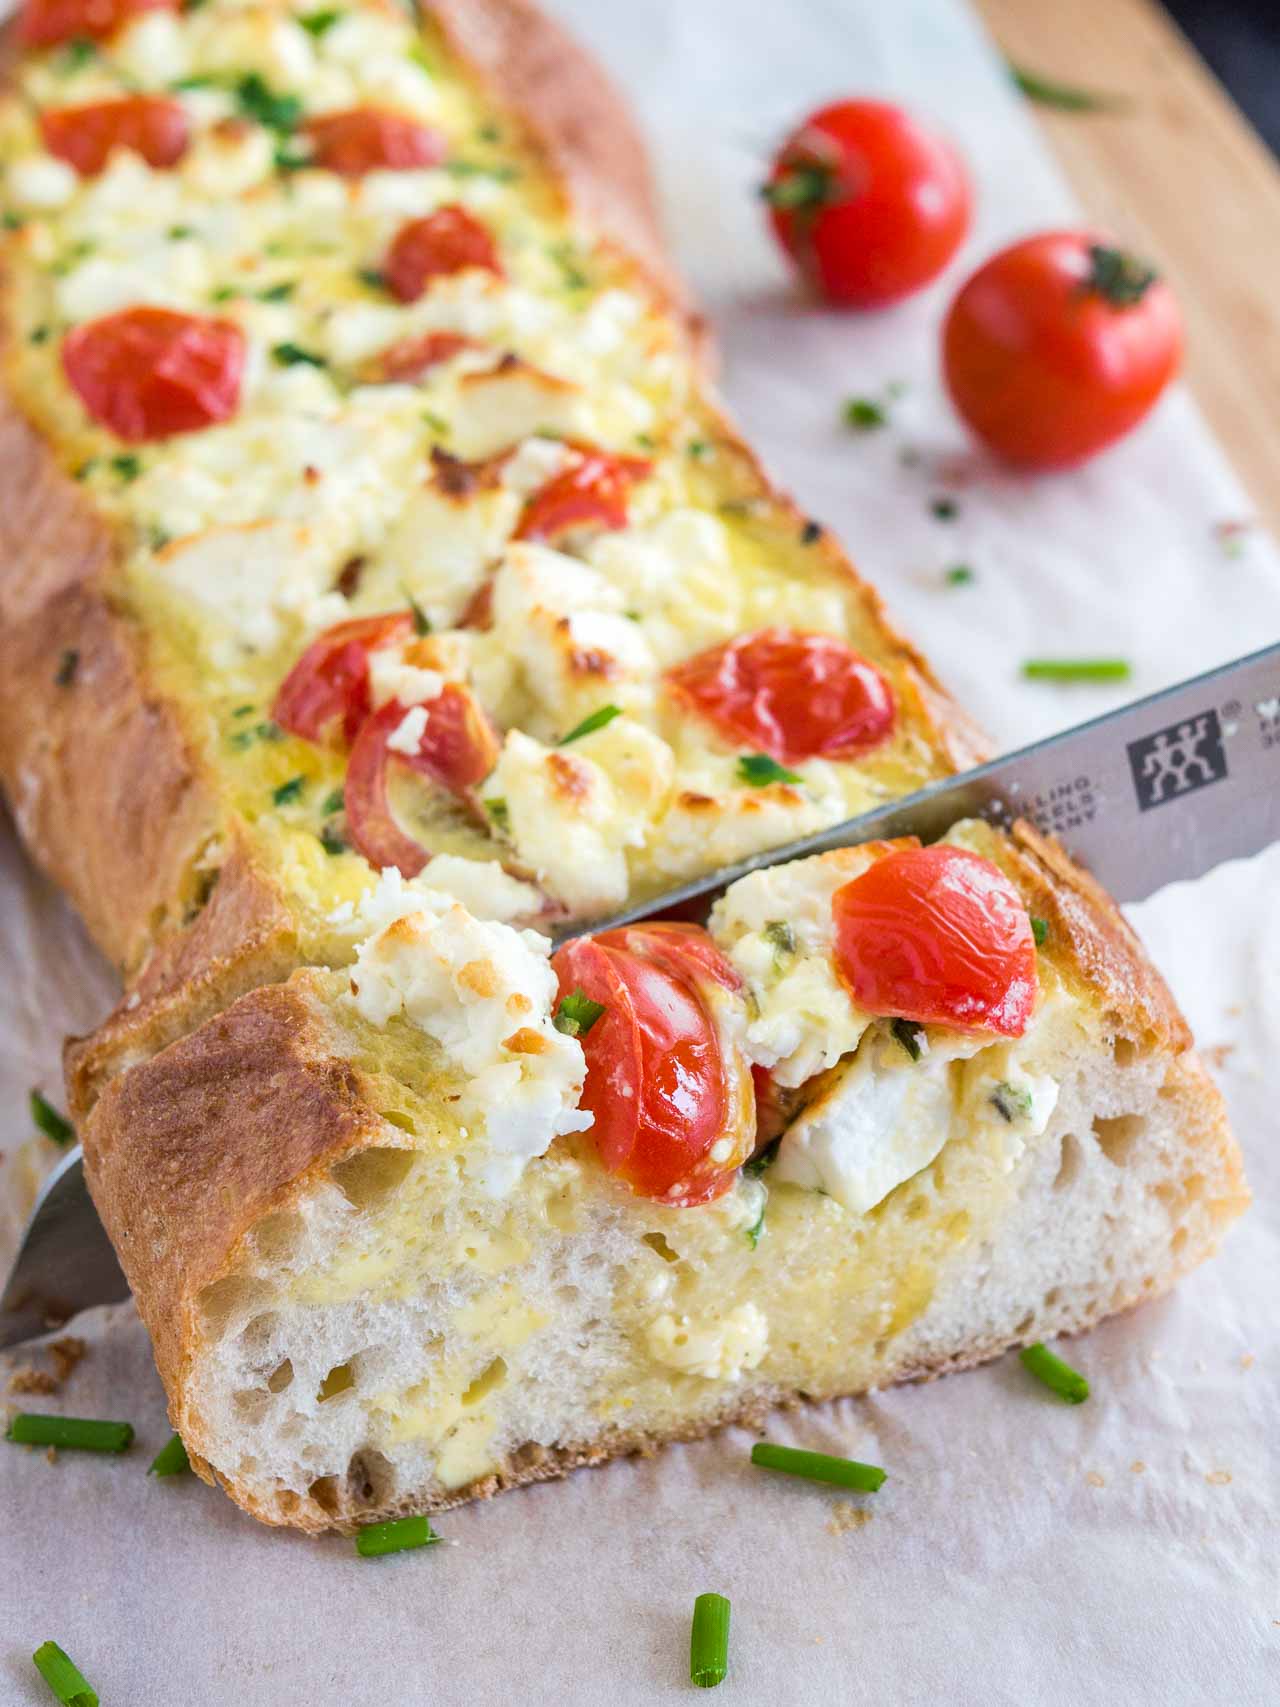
(597, 720)
(77, 54)
(1059, 1377)
(439, 426)
(225, 293)
(1039, 930)
(960, 575)
(698, 449)
(79, 1433)
(39, 336)
(319, 23)
(293, 355)
(709, 1641)
(171, 1460)
(64, 1677)
(758, 770)
(127, 466)
(908, 1034)
(278, 292)
(781, 935)
(1077, 669)
(864, 415)
(943, 509)
(480, 169)
(11, 221)
(372, 277)
(332, 840)
(334, 802)
(496, 807)
(290, 791)
(1065, 97)
(421, 621)
(261, 103)
(754, 1231)
(762, 1161)
(176, 233)
(818, 1467)
(68, 664)
(46, 1119)
(399, 1535)
(1010, 1103)
(1121, 279)
(577, 1013)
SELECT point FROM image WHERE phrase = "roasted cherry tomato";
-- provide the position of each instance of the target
(412, 357)
(792, 695)
(446, 241)
(456, 750)
(938, 935)
(365, 139)
(673, 1104)
(1058, 346)
(150, 125)
(590, 493)
(868, 203)
(43, 23)
(147, 373)
(327, 690)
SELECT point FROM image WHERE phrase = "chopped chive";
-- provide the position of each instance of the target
(589, 725)
(1060, 1377)
(1039, 930)
(943, 509)
(1077, 669)
(478, 169)
(709, 1641)
(908, 1034)
(698, 449)
(421, 621)
(864, 415)
(371, 277)
(780, 934)
(497, 809)
(258, 101)
(334, 802)
(278, 292)
(176, 233)
(11, 222)
(439, 426)
(762, 1161)
(39, 336)
(68, 664)
(225, 293)
(398, 1535)
(290, 791)
(77, 53)
(171, 1460)
(64, 1677)
(82, 1433)
(332, 840)
(960, 575)
(577, 1013)
(243, 710)
(319, 23)
(1065, 97)
(757, 1226)
(49, 1121)
(293, 355)
(1010, 1103)
(818, 1466)
(127, 466)
(758, 770)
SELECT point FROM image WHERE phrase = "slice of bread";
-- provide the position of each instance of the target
(355, 1316)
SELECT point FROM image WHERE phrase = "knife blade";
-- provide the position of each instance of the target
(1162, 789)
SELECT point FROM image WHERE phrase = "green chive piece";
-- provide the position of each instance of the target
(1077, 669)
(319, 23)
(577, 1013)
(1065, 97)
(372, 277)
(943, 509)
(908, 1034)
(127, 467)
(258, 101)
(1059, 1377)
(1010, 1103)
(335, 801)
(1039, 930)
(399, 1535)
(864, 414)
(818, 1467)
(960, 575)
(80, 1433)
(709, 1641)
(289, 791)
(758, 770)
(278, 292)
(421, 621)
(332, 840)
(49, 1121)
(293, 355)
(64, 1677)
(498, 810)
(780, 934)
(589, 725)
(762, 1161)
(171, 1460)
(757, 1226)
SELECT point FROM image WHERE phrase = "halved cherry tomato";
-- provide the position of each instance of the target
(43, 23)
(329, 685)
(410, 358)
(150, 125)
(457, 749)
(444, 241)
(938, 935)
(1058, 346)
(789, 694)
(147, 373)
(868, 202)
(663, 1088)
(366, 139)
(590, 492)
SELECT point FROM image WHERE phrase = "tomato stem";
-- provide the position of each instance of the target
(801, 187)
(1121, 278)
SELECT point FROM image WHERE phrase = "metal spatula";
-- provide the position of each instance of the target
(1163, 789)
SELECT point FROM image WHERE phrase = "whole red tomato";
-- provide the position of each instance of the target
(1058, 346)
(867, 202)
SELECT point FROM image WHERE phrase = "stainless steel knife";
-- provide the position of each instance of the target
(1163, 789)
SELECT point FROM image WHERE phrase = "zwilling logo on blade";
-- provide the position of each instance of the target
(1178, 760)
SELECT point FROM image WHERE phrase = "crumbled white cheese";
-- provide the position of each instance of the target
(534, 463)
(483, 887)
(442, 547)
(41, 181)
(407, 735)
(390, 677)
(717, 1349)
(499, 407)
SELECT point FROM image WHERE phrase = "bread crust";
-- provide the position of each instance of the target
(110, 791)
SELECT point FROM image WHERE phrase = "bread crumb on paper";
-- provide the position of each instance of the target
(1094, 1479)
(1218, 1054)
(66, 1354)
(1138, 1467)
(1218, 1478)
(846, 1516)
(1247, 1360)
(25, 1379)
(51, 1454)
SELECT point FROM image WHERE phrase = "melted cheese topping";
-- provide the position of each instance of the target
(320, 497)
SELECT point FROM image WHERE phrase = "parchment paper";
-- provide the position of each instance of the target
(1021, 1551)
